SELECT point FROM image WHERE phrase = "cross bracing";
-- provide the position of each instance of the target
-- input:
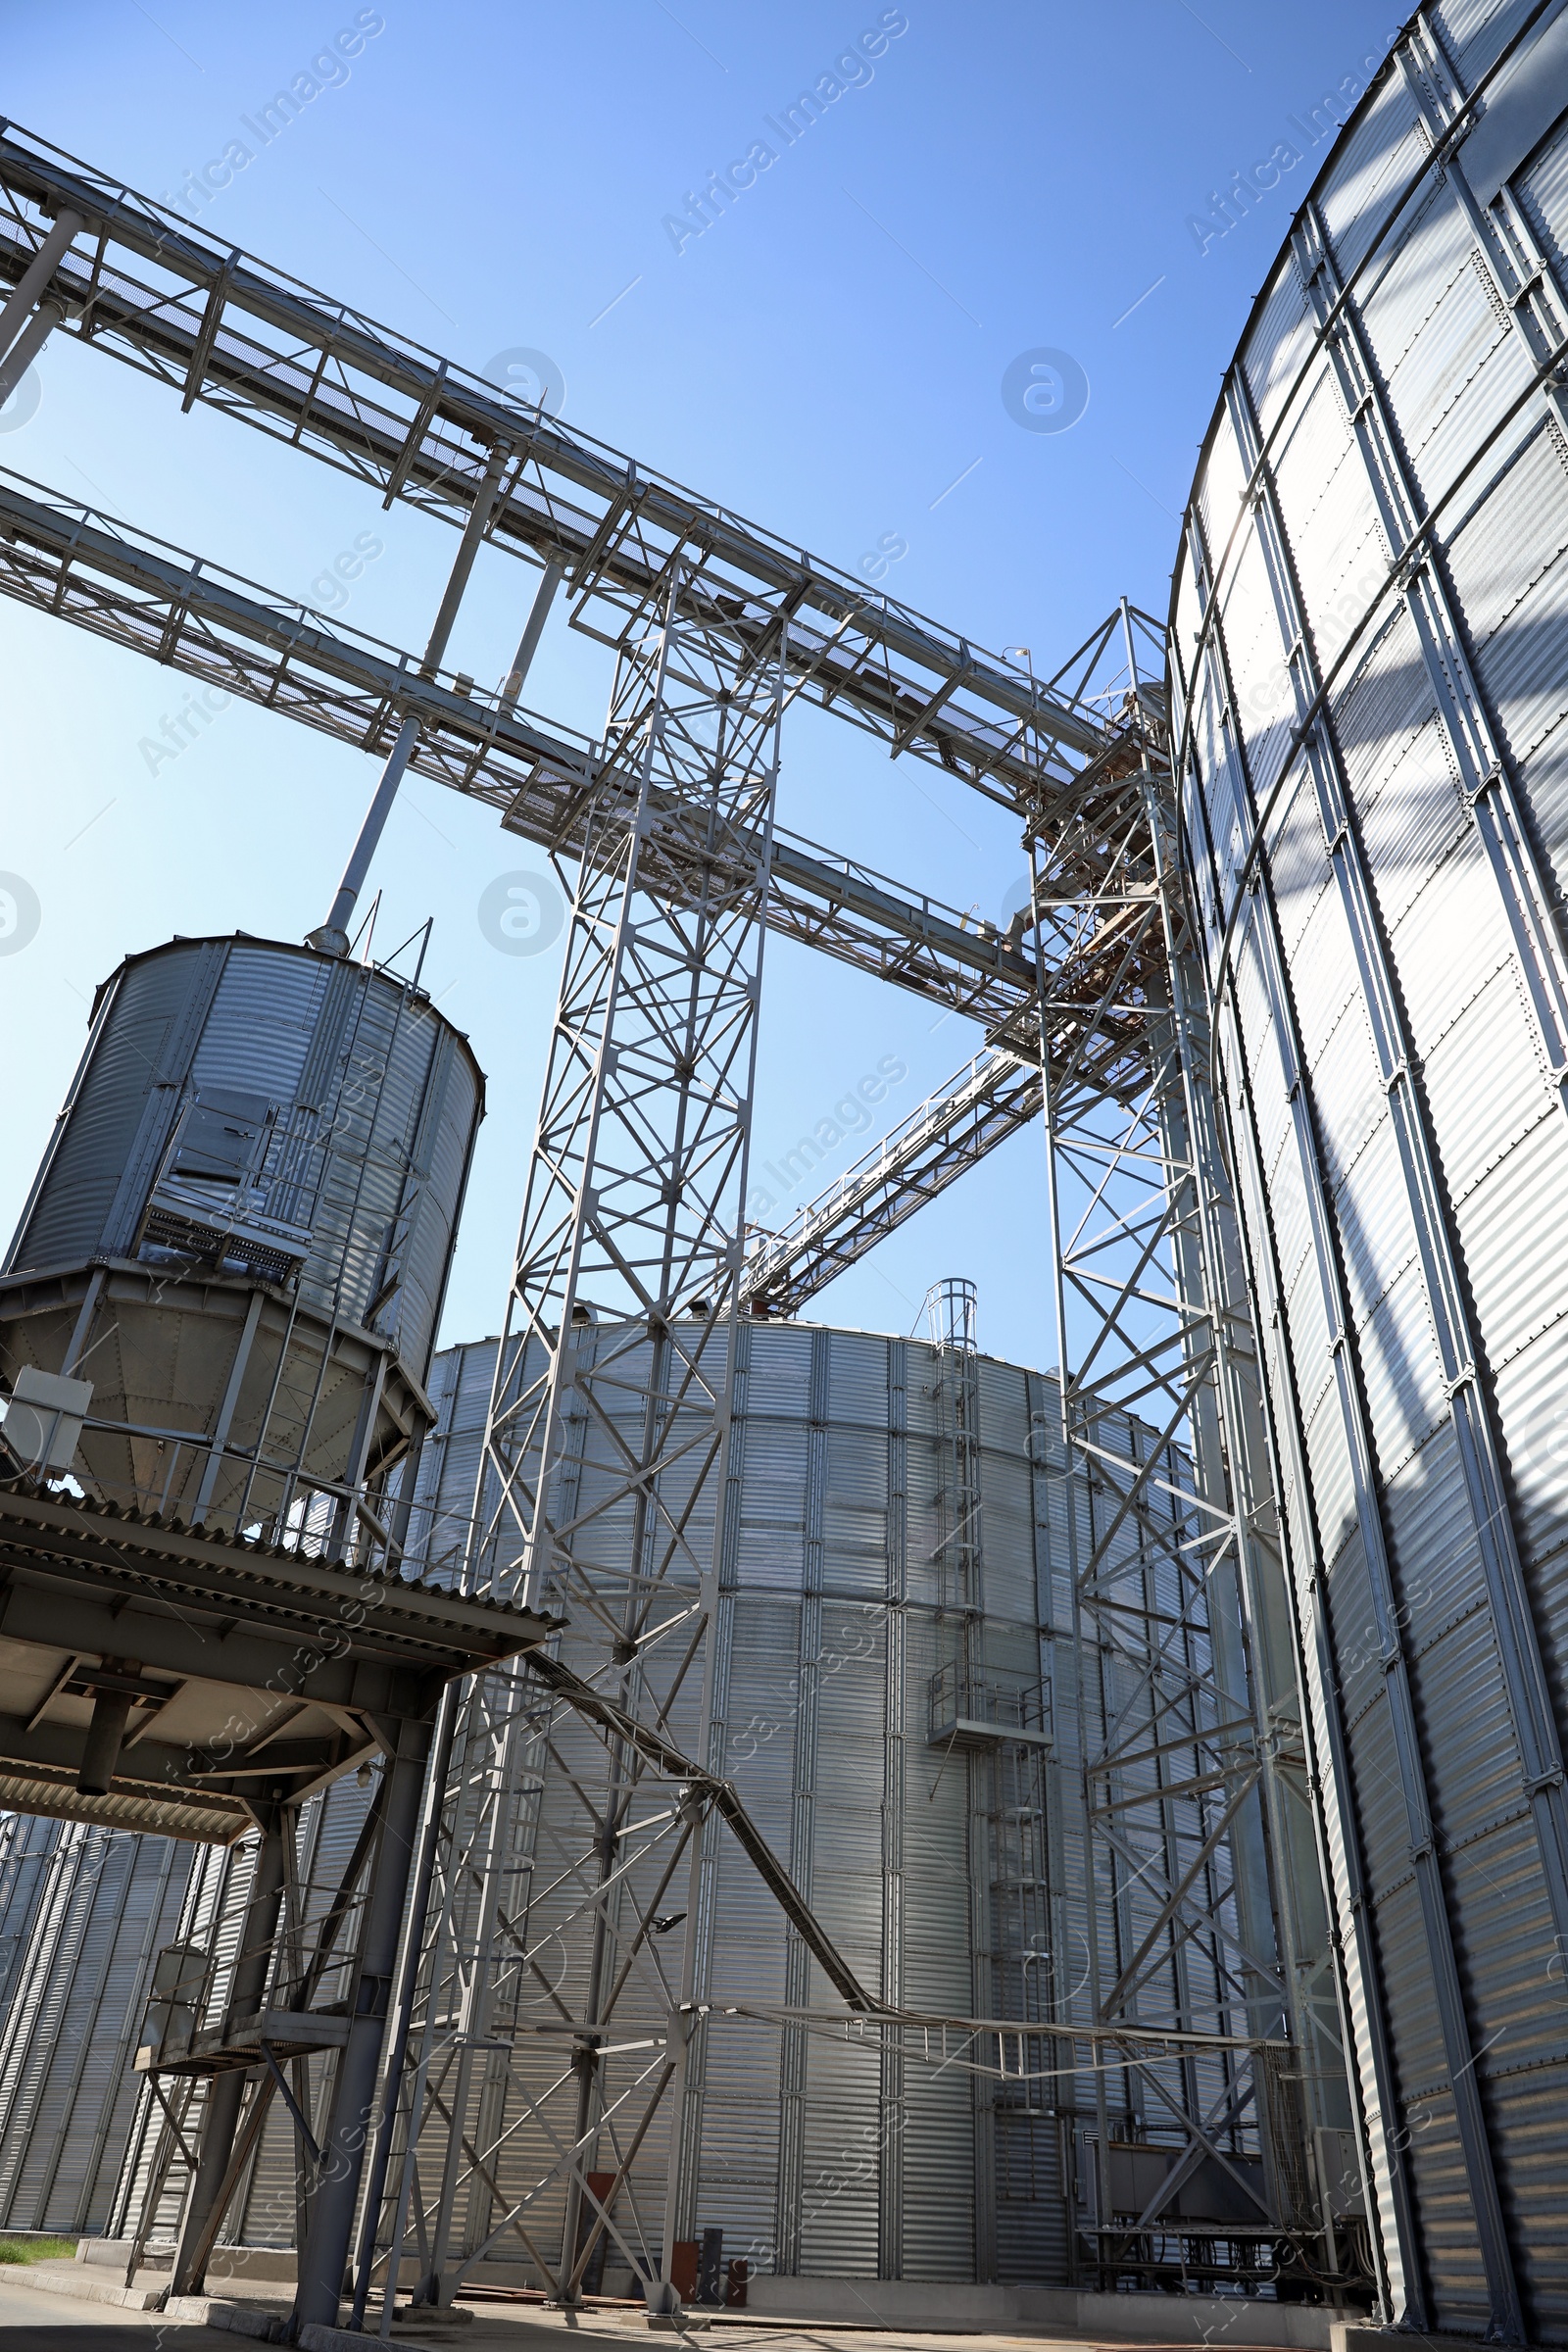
(220, 326)
(104, 576)
(663, 833)
(994, 1096)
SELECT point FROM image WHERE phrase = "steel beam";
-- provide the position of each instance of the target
(992, 1097)
(609, 1426)
(222, 326)
(1169, 1728)
(324, 2257)
(663, 833)
(70, 561)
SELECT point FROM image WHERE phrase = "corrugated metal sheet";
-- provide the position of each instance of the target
(931, 1870)
(1416, 1166)
(365, 1103)
(90, 1908)
(264, 1030)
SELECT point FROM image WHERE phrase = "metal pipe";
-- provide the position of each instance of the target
(534, 628)
(473, 531)
(36, 276)
(333, 939)
(35, 336)
(324, 2254)
(221, 2120)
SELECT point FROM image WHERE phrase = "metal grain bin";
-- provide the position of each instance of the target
(898, 1709)
(241, 1231)
(1370, 674)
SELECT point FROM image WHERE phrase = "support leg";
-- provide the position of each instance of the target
(324, 2255)
(221, 2116)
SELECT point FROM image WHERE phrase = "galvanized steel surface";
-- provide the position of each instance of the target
(246, 1113)
(82, 1914)
(369, 1087)
(949, 1875)
(1370, 650)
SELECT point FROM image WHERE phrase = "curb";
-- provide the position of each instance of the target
(314, 2337)
(240, 2319)
(69, 2280)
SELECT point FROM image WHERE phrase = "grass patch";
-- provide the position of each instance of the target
(36, 2249)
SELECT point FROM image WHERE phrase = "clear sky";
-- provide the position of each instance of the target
(830, 357)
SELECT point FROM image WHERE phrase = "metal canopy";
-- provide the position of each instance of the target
(252, 1672)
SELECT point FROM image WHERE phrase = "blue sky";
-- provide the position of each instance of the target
(828, 357)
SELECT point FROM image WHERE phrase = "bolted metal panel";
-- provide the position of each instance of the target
(1368, 656)
(944, 1878)
(351, 1061)
(251, 1195)
(91, 1907)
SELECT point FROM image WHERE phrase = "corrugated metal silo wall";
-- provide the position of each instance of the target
(1370, 656)
(84, 1911)
(813, 2157)
(388, 1093)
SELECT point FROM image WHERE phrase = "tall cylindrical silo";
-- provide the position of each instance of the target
(1370, 670)
(898, 1698)
(241, 1231)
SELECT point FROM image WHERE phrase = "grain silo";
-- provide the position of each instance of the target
(900, 1701)
(216, 1322)
(240, 1233)
(1370, 673)
(83, 1912)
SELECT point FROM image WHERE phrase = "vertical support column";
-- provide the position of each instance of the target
(220, 2117)
(1169, 1591)
(323, 2258)
(620, 1339)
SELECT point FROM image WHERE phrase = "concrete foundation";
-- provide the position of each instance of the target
(931, 2308)
(920, 2307)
